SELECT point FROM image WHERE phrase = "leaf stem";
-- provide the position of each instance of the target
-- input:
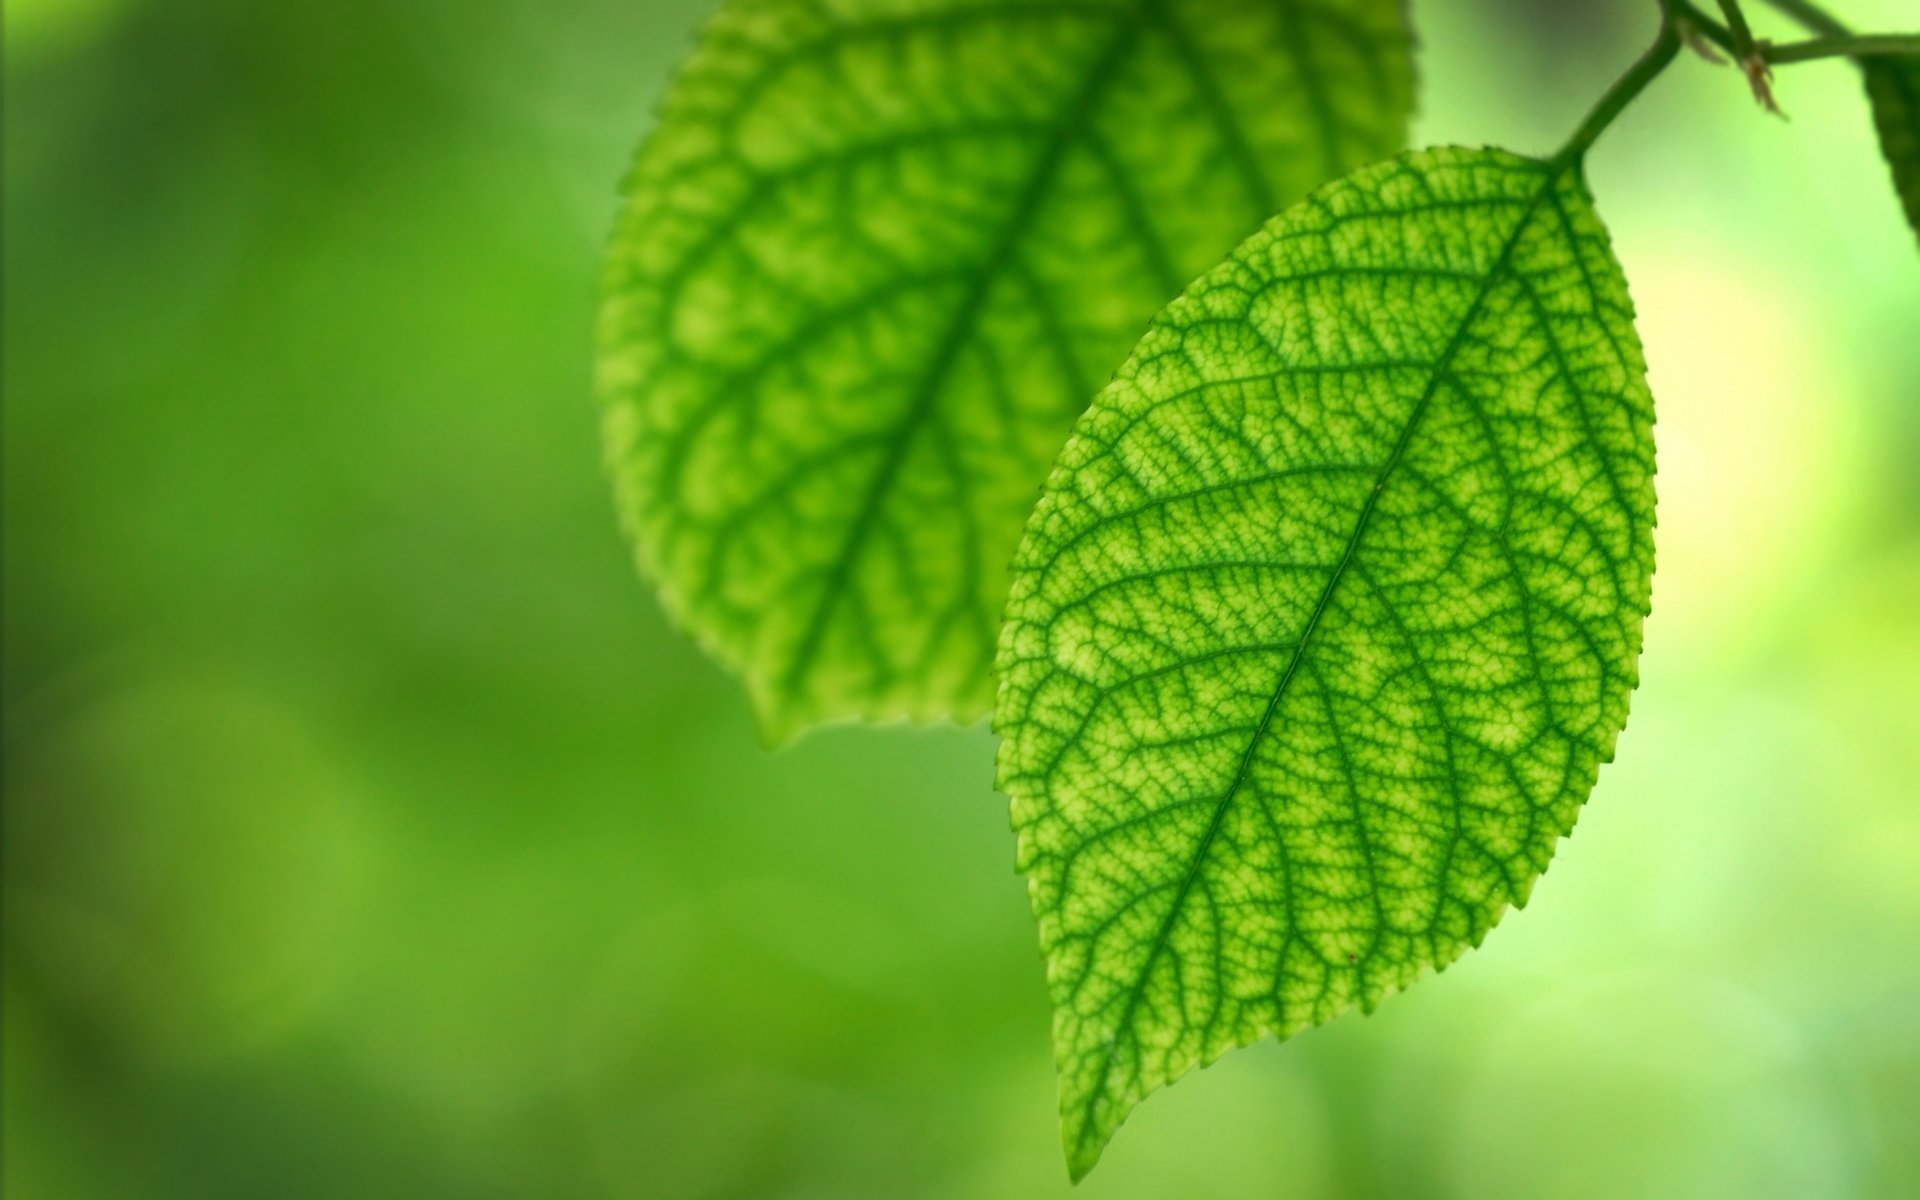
(1834, 41)
(1644, 71)
(1748, 56)
(1854, 46)
(1678, 18)
(1742, 33)
(1813, 17)
(1692, 20)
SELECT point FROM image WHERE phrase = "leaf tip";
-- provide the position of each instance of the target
(1084, 1145)
(777, 724)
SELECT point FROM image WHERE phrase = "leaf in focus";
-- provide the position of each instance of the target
(1327, 618)
(1893, 86)
(877, 257)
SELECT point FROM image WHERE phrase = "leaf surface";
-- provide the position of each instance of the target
(1893, 87)
(1327, 618)
(876, 258)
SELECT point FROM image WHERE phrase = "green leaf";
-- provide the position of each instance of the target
(1893, 85)
(876, 258)
(1327, 617)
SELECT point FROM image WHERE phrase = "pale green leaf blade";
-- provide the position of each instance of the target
(1893, 87)
(876, 258)
(1327, 617)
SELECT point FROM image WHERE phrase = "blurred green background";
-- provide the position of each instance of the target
(369, 833)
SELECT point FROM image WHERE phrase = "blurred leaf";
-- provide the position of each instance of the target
(1893, 84)
(873, 263)
(35, 26)
(1327, 618)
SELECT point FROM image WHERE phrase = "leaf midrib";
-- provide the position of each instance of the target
(1079, 112)
(1550, 180)
(1134, 24)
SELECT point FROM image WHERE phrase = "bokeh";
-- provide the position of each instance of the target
(370, 833)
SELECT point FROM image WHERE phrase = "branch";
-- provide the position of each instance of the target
(1843, 46)
(1747, 54)
(1812, 16)
(1696, 24)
